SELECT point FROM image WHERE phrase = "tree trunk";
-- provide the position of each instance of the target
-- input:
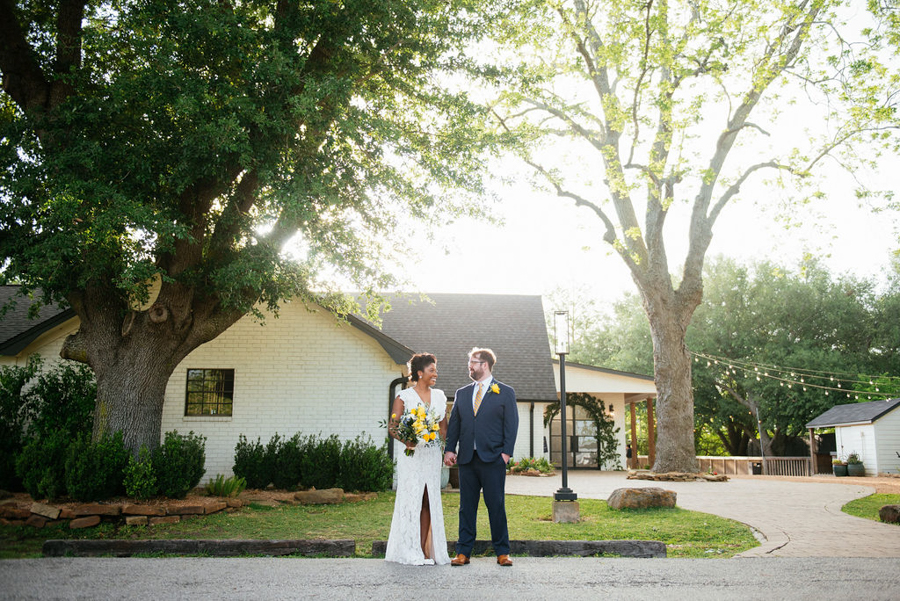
(675, 401)
(134, 357)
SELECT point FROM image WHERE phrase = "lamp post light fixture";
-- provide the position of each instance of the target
(561, 327)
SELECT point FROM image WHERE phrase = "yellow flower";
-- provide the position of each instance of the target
(434, 427)
(393, 416)
(495, 389)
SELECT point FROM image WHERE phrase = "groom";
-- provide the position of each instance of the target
(484, 423)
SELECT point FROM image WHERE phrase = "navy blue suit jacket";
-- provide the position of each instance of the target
(493, 430)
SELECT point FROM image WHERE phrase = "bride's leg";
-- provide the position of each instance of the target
(425, 527)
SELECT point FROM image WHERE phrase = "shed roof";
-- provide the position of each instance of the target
(854, 413)
(449, 325)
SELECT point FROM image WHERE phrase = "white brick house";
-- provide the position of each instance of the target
(305, 371)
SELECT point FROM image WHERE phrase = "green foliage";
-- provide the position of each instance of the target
(286, 458)
(252, 463)
(95, 470)
(319, 117)
(140, 479)
(311, 461)
(62, 400)
(530, 463)
(13, 415)
(321, 466)
(42, 466)
(364, 467)
(225, 487)
(178, 463)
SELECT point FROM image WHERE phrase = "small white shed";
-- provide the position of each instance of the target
(871, 430)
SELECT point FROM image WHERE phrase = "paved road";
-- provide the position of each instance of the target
(792, 518)
(272, 579)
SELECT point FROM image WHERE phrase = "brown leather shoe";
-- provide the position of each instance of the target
(460, 560)
(504, 561)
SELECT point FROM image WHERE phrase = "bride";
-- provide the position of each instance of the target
(417, 527)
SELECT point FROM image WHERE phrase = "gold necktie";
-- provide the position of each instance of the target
(478, 398)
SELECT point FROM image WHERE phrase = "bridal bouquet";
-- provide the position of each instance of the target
(416, 426)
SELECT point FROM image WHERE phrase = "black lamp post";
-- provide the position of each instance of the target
(561, 327)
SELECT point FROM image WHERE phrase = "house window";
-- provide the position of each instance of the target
(209, 392)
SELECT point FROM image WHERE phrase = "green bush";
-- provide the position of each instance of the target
(225, 487)
(251, 463)
(178, 463)
(530, 463)
(287, 461)
(13, 415)
(320, 467)
(365, 467)
(34, 406)
(140, 481)
(42, 466)
(62, 400)
(96, 470)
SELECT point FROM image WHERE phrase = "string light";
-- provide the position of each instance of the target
(806, 378)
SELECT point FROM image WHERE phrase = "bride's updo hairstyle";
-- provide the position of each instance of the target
(418, 363)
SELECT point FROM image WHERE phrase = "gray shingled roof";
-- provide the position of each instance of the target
(449, 325)
(17, 330)
(854, 413)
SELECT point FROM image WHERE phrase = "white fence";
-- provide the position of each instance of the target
(770, 466)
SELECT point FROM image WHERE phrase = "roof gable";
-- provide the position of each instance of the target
(854, 413)
(449, 325)
(17, 329)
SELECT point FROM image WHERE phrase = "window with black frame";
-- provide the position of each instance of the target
(209, 392)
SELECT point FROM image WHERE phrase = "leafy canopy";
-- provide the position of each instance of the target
(193, 140)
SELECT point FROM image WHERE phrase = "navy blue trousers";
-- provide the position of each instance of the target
(475, 478)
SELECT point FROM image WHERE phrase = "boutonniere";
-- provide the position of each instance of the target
(495, 389)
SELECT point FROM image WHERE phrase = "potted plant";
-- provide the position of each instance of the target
(838, 467)
(855, 465)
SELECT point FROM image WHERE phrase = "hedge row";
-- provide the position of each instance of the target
(313, 462)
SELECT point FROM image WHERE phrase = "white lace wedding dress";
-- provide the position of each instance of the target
(416, 474)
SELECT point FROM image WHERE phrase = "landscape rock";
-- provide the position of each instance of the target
(215, 507)
(98, 509)
(187, 510)
(14, 513)
(640, 498)
(36, 521)
(169, 519)
(47, 511)
(136, 520)
(145, 510)
(326, 496)
(890, 514)
(675, 476)
(85, 522)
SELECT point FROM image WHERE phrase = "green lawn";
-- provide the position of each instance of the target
(685, 533)
(868, 507)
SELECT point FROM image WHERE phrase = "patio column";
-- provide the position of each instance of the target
(813, 468)
(633, 462)
(651, 433)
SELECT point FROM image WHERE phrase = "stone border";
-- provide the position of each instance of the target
(214, 548)
(88, 515)
(554, 548)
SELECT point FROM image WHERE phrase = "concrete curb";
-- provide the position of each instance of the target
(214, 548)
(336, 548)
(558, 548)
